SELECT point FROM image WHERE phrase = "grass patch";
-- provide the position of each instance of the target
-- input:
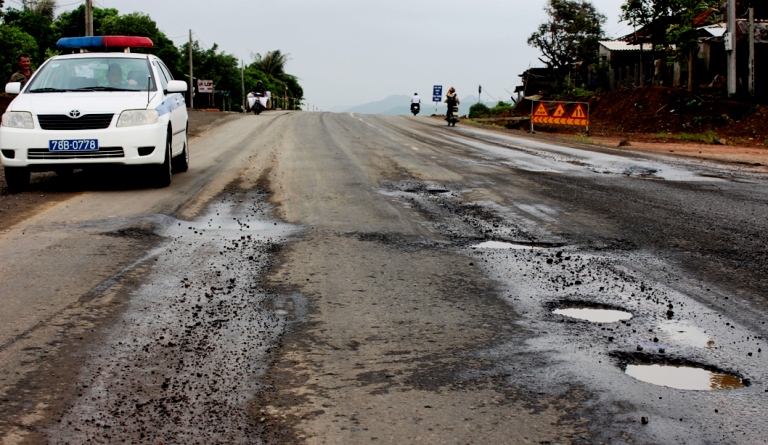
(707, 138)
(584, 139)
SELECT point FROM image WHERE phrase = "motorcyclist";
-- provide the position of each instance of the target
(452, 100)
(415, 103)
(258, 89)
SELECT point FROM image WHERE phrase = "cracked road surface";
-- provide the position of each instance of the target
(321, 278)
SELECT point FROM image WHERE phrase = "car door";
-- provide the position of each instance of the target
(177, 106)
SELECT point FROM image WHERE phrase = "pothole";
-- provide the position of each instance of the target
(684, 377)
(593, 314)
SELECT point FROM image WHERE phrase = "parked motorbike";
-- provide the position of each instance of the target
(415, 108)
(257, 102)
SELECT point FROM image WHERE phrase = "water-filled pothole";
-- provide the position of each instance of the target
(593, 314)
(684, 377)
(504, 245)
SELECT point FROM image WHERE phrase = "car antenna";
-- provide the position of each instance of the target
(149, 85)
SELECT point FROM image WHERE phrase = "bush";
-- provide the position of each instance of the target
(502, 108)
(479, 111)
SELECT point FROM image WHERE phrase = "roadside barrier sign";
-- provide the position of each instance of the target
(565, 113)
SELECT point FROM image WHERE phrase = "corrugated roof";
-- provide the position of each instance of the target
(620, 45)
(716, 30)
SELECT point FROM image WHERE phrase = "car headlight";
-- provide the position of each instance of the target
(132, 118)
(18, 119)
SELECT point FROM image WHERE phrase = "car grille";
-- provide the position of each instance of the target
(64, 122)
(101, 153)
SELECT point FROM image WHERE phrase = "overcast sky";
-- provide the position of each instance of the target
(350, 52)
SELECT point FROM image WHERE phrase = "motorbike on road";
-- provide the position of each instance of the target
(415, 108)
(453, 115)
(257, 102)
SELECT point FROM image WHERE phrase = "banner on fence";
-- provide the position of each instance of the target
(565, 113)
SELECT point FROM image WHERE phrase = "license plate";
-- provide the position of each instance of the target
(73, 145)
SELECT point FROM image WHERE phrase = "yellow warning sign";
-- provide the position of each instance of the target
(578, 113)
(541, 111)
(559, 112)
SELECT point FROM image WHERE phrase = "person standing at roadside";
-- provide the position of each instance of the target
(24, 72)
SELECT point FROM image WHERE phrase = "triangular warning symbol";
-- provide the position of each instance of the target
(579, 113)
(559, 112)
(541, 111)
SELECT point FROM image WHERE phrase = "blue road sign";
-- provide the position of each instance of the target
(437, 93)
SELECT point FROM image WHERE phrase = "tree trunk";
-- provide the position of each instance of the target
(690, 71)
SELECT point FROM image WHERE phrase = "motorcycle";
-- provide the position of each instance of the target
(258, 102)
(415, 108)
(453, 116)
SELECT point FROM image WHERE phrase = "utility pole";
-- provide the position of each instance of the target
(479, 91)
(732, 53)
(242, 79)
(752, 51)
(88, 17)
(191, 77)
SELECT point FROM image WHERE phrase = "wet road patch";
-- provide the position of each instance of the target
(506, 245)
(593, 314)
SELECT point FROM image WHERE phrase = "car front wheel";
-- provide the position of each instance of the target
(181, 162)
(161, 174)
(17, 179)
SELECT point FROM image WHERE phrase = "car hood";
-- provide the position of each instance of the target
(86, 102)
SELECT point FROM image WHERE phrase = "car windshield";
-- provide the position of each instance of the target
(93, 74)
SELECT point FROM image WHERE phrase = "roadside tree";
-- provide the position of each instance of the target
(15, 41)
(571, 34)
(37, 25)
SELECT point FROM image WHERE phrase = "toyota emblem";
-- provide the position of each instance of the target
(74, 114)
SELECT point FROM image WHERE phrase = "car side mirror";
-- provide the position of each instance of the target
(176, 86)
(13, 88)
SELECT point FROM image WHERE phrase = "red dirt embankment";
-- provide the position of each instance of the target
(656, 111)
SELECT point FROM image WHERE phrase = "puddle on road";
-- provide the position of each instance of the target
(594, 315)
(686, 334)
(684, 377)
(503, 245)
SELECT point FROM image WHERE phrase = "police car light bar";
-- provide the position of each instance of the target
(104, 42)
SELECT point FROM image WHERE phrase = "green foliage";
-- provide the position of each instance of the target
(15, 41)
(36, 25)
(502, 107)
(479, 110)
(708, 137)
(572, 34)
(72, 23)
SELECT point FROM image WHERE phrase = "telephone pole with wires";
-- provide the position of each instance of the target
(191, 78)
(88, 17)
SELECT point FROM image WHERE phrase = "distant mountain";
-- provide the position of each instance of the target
(400, 105)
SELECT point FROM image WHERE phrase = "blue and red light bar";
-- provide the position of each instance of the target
(104, 42)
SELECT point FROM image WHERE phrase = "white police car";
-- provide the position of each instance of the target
(92, 109)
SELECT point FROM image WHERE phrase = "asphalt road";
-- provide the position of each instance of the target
(327, 278)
